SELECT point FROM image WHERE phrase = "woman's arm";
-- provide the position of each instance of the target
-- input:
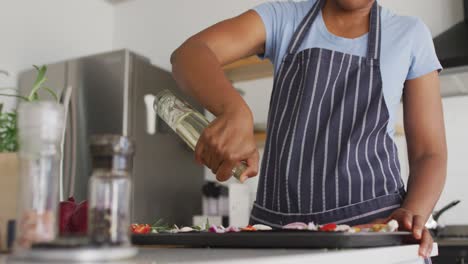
(197, 68)
(197, 63)
(427, 149)
(427, 152)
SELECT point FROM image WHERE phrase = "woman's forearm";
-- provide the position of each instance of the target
(199, 73)
(425, 184)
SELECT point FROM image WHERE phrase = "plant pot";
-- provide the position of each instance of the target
(9, 177)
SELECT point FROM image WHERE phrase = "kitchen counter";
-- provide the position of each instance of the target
(399, 254)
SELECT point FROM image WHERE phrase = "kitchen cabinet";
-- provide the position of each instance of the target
(253, 78)
(251, 68)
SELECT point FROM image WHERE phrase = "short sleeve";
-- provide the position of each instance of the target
(271, 14)
(423, 56)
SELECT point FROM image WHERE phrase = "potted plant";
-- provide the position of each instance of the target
(9, 146)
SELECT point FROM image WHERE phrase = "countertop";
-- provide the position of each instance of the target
(385, 255)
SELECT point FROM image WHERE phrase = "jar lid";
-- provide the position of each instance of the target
(107, 144)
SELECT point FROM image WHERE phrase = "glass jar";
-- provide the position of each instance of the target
(110, 190)
(40, 130)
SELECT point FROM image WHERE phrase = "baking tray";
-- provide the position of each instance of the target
(275, 239)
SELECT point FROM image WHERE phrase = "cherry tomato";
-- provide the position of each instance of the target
(328, 227)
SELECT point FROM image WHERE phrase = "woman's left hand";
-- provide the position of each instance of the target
(408, 221)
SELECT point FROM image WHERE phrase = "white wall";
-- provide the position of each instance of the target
(39, 32)
(437, 14)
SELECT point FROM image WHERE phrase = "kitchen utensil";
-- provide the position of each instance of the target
(275, 239)
(437, 214)
(40, 127)
(433, 225)
(110, 190)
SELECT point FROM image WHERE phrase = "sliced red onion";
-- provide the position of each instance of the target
(296, 226)
(232, 229)
(217, 229)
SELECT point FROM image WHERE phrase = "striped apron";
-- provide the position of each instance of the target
(328, 157)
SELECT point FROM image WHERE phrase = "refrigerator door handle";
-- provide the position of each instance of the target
(65, 101)
(151, 115)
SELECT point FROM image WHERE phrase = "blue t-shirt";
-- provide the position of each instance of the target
(407, 50)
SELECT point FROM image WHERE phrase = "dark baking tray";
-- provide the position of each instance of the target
(275, 239)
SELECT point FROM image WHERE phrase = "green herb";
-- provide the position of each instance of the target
(8, 132)
(8, 120)
(197, 228)
(160, 226)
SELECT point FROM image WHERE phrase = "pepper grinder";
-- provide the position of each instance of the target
(110, 190)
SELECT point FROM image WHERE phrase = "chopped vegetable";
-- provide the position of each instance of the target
(198, 228)
(312, 227)
(342, 228)
(392, 226)
(328, 227)
(296, 226)
(249, 228)
(186, 230)
(232, 229)
(140, 228)
(260, 227)
(217, 229)
(378, 227)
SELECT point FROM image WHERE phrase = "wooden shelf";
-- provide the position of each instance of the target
(260, 138)
(248, 69)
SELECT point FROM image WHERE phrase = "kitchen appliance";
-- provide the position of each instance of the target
(108, 98)
(452, 50)
(452, 240)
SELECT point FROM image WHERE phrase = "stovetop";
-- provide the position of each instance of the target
(453, 231)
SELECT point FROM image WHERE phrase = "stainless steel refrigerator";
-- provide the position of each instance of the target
(108, 93)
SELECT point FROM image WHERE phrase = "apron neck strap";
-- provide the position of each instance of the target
(375, 33)
(374, 36)
(305, 26)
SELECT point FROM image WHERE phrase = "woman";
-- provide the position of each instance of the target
(341, 69)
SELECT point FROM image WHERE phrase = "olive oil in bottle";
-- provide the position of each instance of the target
(185, 121)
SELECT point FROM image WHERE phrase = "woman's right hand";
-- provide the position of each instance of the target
(226, 142)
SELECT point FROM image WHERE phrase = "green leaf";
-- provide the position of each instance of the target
(14, 95)
(40, 79)
(159, 222)
(8, 132)
(51, 92)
